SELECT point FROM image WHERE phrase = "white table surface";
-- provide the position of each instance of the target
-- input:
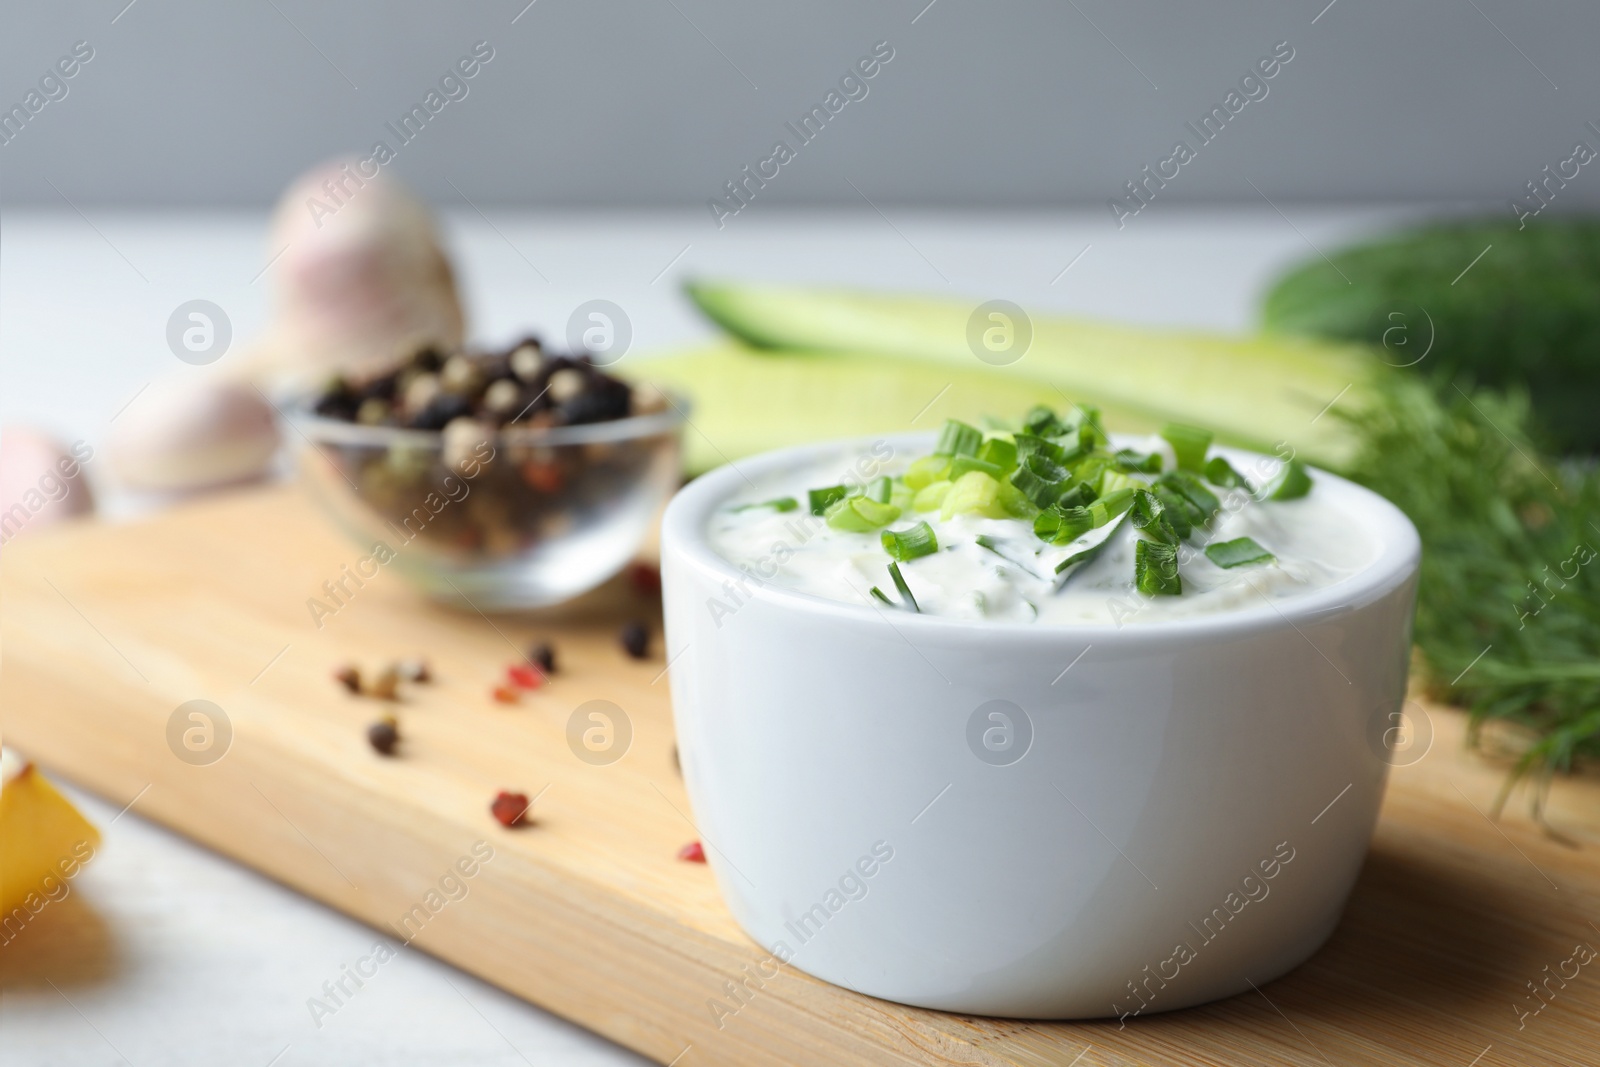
(168, 954)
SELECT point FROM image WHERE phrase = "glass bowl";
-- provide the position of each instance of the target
(498, 520)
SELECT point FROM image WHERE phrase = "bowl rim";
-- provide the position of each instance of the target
(683, 533)
(297, 411)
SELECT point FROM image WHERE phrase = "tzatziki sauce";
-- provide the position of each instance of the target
(1011, 575)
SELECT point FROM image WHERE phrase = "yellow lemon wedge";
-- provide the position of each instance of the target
(44, 842)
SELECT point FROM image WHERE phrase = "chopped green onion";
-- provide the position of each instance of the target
(910, 543)
(1091, 469)
(962, 464)
(782, 503)
(985, 541)
(925, 471)
(1189, 444)
(973, 492)
(1290, 483)
(1137, 462)
(1061, 526)
(958, 439)
(1060, 474)
(1087, 422)
(1155, 568)
(930, 496)
(1014, 504)
(1110, 506)
(1150, 517)
(1195, 492)
(900, 584)
(1080, 495)
(1042, 422)
(822, 499)
(1112, 480)
(1220, 472)
(1237, 553)
(1030, 445)
(1183, 515)
(1040, 480)
(1000, 451)
(1087, 555)
(860, 514)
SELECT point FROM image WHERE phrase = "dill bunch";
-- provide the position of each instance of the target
(1508, 614)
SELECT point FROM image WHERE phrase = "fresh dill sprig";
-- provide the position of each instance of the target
(1508, 614)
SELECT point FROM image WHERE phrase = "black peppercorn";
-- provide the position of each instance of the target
(427, 359)
(544, 655)
(440, 410)
(635, 640)
(383, 736)
(338, 401)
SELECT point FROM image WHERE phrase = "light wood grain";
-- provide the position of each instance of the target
(106, 629)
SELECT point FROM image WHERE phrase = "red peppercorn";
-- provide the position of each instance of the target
(545, 477)
(524, 676)
(693, 852)
(504, 694)
(645, 578)
(510, 808)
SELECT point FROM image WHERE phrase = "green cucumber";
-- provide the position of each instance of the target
(742, 402)
(1253, 391)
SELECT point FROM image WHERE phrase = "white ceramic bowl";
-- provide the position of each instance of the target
(1179, 815)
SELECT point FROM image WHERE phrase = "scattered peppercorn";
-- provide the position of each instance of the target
(416, 670)
(386, 686)
(677, 764)
(544, 654)
(349, 677)
(635, 640)
(510, 808)
(384, 735)
(504, 694)
(524, 676)
(645, 578)
(693, 852)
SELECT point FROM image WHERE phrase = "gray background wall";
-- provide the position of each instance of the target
(1022, 103)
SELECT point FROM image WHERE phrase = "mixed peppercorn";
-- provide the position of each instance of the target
(522, 385)
(509, 488)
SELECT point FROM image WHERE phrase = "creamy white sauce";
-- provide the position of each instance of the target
(1315, 544)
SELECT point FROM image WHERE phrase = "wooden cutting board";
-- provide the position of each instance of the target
(587, 912)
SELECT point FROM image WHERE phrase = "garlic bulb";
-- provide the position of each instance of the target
(192, 433)
(41, 480)
(361, 275)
